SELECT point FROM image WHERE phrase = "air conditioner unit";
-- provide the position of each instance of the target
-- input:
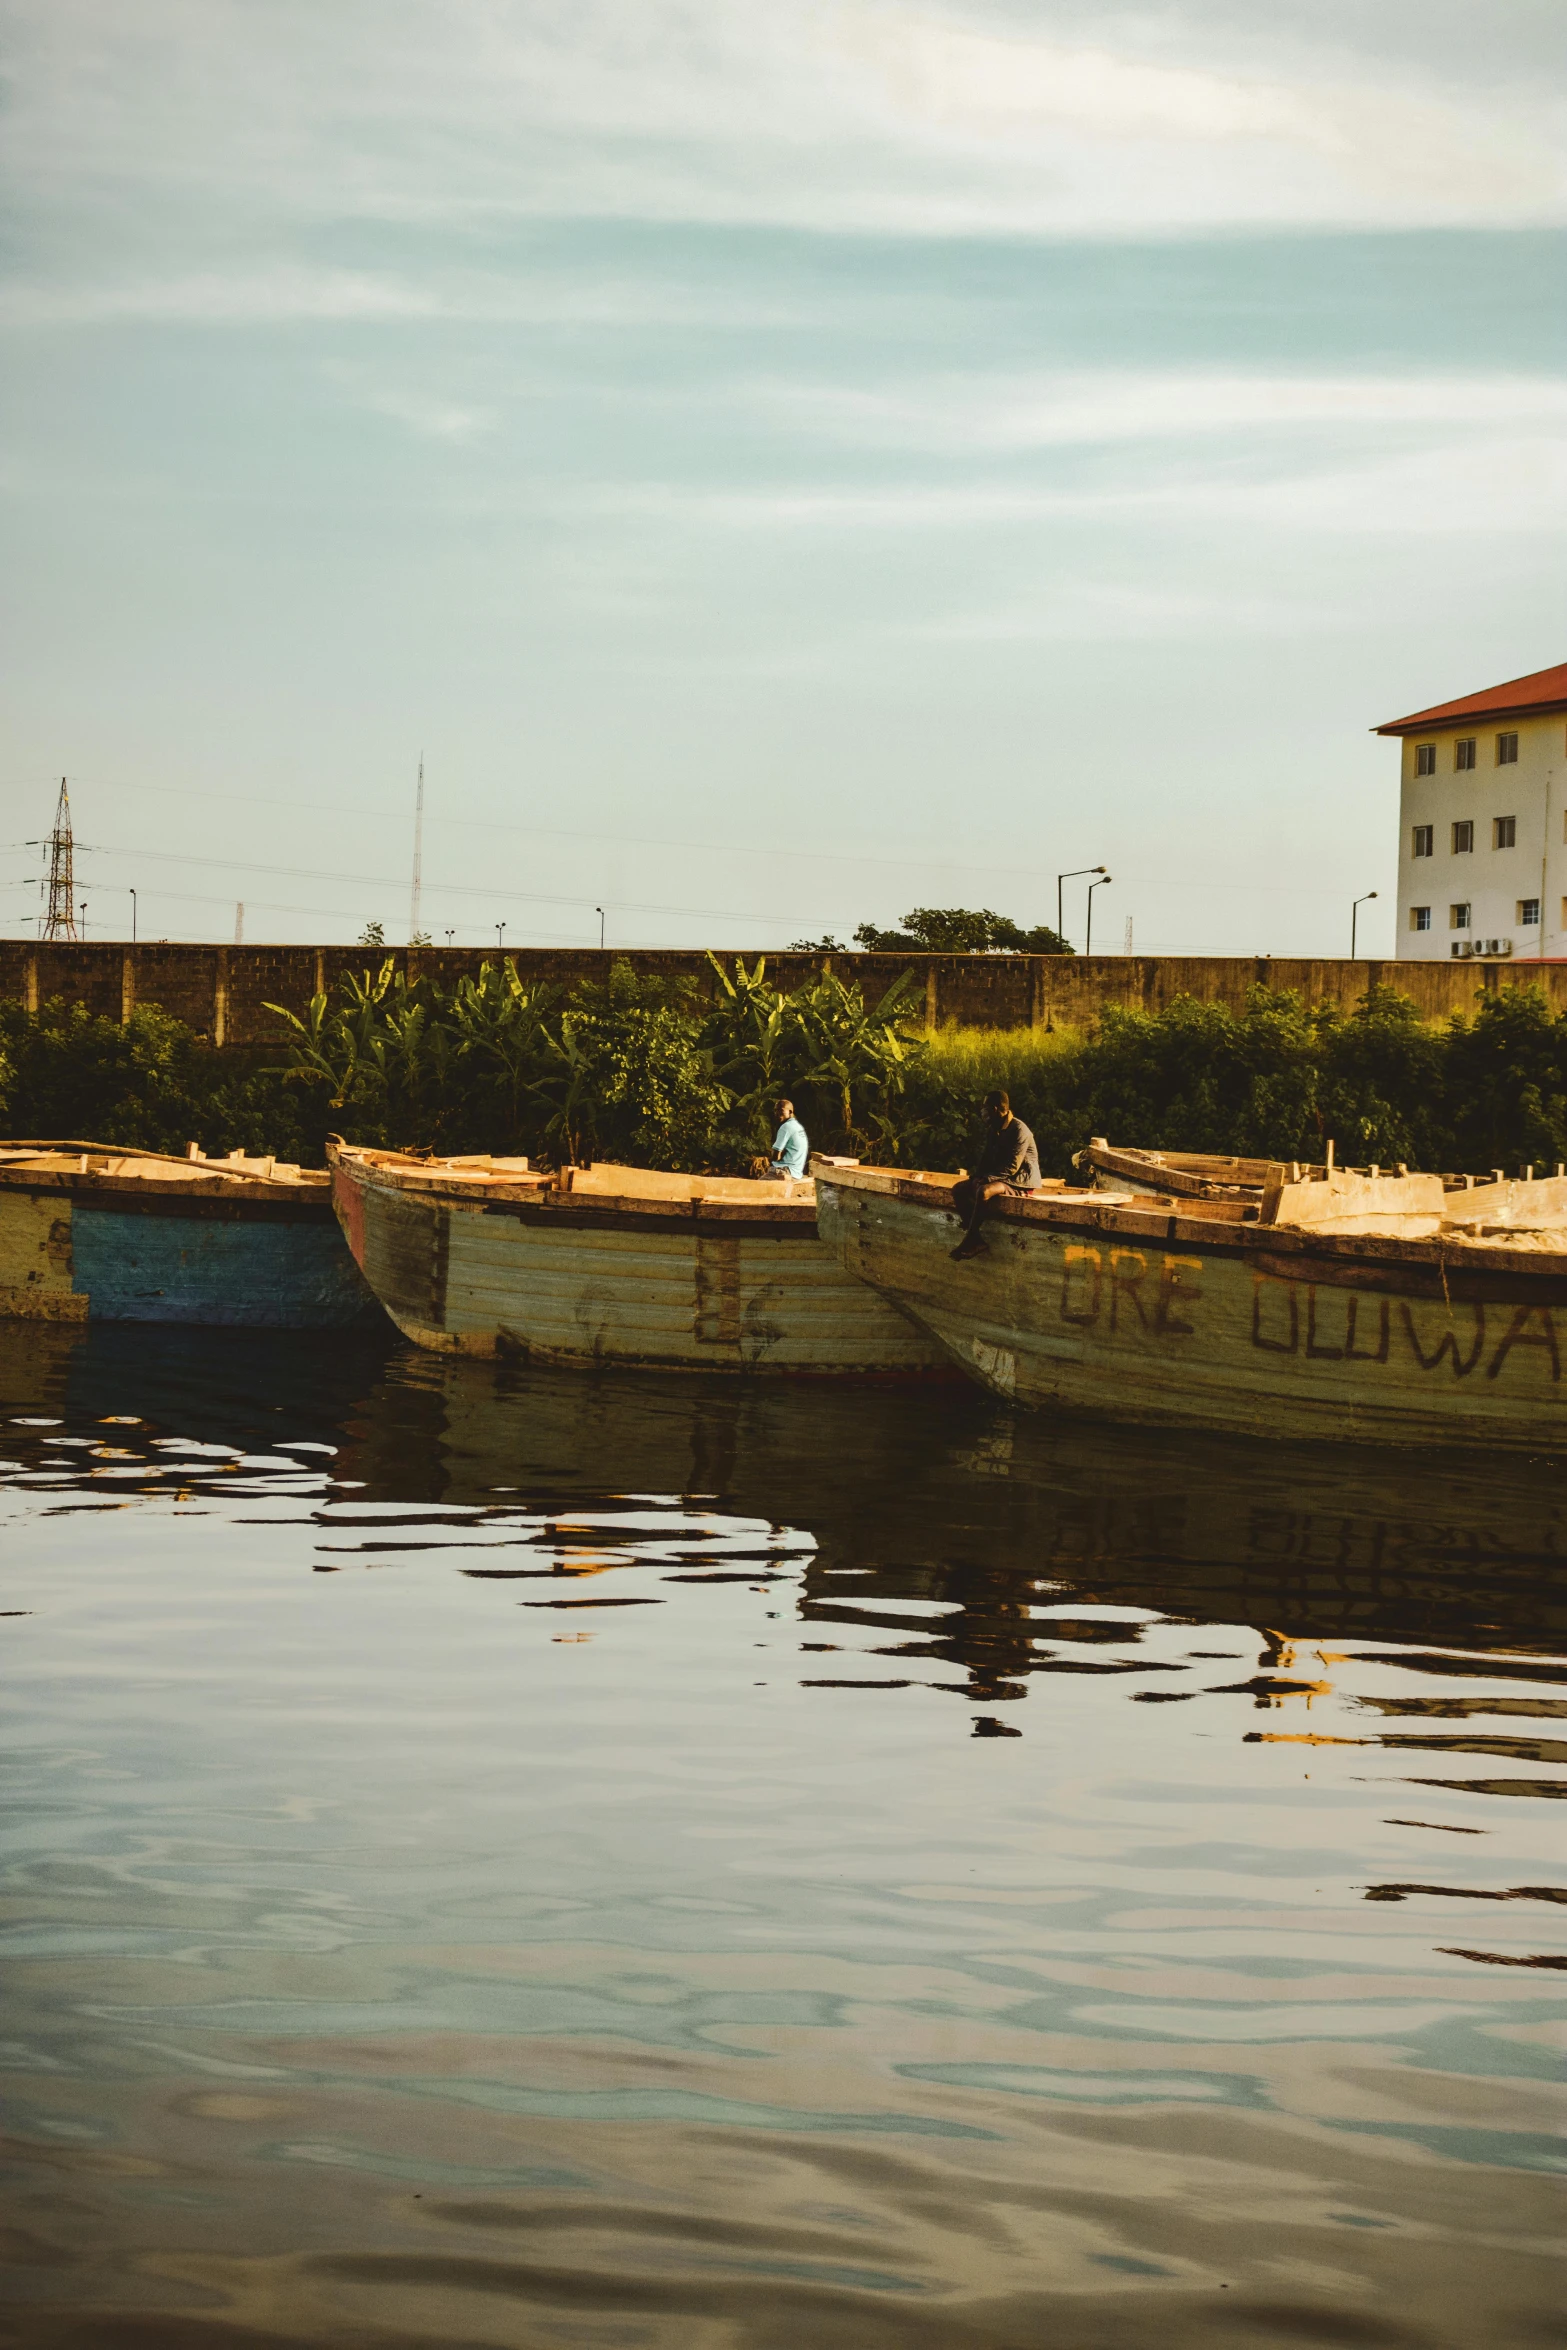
(1498, 946)
(1462, 947)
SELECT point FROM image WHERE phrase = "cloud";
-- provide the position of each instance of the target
(1515, 484)
(436, 420)
(999, 413)
(287, 292)
(241, 297)
(827, 114)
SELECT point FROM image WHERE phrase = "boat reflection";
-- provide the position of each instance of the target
(987, 1549)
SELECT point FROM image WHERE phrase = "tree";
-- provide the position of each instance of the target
(963, 930)
(372, 935)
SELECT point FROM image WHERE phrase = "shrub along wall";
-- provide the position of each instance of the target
(655, 1069)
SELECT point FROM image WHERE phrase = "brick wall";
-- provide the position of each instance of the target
(223, 991)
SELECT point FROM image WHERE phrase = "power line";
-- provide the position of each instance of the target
(444, 888)
(937, 861)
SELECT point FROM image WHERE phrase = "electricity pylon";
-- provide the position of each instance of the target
(60, 921)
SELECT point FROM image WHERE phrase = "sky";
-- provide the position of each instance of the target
(777, 464)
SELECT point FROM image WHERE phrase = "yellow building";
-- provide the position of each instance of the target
(1482, 857)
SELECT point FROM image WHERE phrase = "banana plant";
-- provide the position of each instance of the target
(502, 1032)
(849, 1048)
(749, 1037)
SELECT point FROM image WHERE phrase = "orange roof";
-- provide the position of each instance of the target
(1544, 689)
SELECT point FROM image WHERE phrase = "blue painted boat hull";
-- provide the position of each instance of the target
(243, 1269)
(112, 1256)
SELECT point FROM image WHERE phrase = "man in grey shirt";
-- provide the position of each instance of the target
(1008, 1168)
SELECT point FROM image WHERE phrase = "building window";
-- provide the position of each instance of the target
(1419, 917)
(1464, 754)
(1506, 751)
(1504, 832)
(1425, 839)
(1528, 913)
(1460, 917)
(1463, 838)
(1425, 758)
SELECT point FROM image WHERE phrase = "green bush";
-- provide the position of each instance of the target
(665, 1074)
(637, 1068)
(153, 1084)
(1274, 1081)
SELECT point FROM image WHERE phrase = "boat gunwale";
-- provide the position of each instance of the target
(539, 1200)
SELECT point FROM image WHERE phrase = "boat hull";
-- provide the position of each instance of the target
(111, 1256)
(1161, 1319)
(589, 1286)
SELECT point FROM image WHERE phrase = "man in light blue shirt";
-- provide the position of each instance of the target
(790, 1147)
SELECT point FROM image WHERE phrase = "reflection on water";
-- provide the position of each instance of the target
(494, 1859)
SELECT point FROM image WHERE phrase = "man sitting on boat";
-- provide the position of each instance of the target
(1008, 1169)
(790, 1149)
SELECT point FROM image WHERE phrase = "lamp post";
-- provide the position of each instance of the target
(450, 935)
(133, 917)
(1076, 874)
(81, 916)
(1354, 917)
(599, 911)
(1088, 941)
(500, 934)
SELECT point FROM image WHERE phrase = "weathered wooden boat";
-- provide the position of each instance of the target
(1181, 1174)
(92, 1232)
(1398, 1308)
(606, 1264)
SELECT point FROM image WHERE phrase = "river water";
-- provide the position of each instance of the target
(494, 1859)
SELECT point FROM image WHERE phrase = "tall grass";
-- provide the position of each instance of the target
(1017, 1061)
(1280, 1080)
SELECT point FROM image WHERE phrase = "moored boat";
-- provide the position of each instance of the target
(90, 1232)
(1397, 1308)
(615, 1265)
(1182, 1174)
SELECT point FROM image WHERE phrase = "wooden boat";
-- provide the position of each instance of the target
(1398, 1308)
(91, 1232)
(606, 1264)
(1183, 1174)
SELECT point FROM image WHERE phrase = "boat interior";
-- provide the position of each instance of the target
(604, 1180)
(106, 1162)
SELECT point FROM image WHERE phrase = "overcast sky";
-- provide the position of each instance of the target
(781, 461)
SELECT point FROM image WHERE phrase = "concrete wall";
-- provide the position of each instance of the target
(223, 991)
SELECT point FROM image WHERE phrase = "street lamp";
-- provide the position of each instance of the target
(500, 934)
(133, 917)
(1076, 874)
(1354, 917)
(450, 935)
(81, 916)
(1088, 941)
(599, 911)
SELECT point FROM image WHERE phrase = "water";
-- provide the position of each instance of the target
(507, 1860)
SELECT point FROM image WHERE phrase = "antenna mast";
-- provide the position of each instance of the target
(60, 921)
(413, 906)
